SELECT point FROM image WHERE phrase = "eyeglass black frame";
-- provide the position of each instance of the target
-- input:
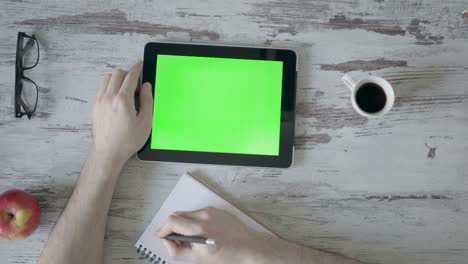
(19, 74)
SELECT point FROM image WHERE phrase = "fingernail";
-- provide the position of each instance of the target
(147, 85)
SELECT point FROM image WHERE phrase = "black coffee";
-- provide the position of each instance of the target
(371, 98)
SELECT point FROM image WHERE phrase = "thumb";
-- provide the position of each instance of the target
(145, 113)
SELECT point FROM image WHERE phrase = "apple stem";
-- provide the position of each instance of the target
(10, 216)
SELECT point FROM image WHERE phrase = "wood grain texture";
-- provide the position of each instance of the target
(387, 190)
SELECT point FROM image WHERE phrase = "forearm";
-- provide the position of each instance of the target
(279, 251)
(79, 233)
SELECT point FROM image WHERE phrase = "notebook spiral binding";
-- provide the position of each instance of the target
(150, 256)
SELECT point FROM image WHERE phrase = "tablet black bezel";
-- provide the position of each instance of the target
(288, 57)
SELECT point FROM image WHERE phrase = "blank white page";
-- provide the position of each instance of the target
(189, 194)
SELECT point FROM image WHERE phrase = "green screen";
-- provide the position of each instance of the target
(217, 105)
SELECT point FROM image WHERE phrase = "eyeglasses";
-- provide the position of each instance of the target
(26, 91)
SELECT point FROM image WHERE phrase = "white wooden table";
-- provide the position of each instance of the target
(387, 190)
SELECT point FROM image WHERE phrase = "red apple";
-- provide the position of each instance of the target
(19, 215)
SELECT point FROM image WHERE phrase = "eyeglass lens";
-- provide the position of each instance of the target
(30, 52)
(28, 95)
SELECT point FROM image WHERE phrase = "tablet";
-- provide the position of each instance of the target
(221, 104)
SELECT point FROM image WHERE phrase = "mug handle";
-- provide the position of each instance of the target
(349, 81)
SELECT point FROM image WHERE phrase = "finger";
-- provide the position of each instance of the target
(116, 81)
(179, 225)
(178, 252)
(104, 83)
(145, 114)
(132, 79)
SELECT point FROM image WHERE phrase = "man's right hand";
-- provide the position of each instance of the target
(235, 242)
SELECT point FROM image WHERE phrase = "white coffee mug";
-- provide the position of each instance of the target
(382, 83)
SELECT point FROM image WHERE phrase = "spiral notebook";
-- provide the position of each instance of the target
(189, 194)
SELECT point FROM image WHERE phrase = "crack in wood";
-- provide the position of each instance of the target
(390, 198)
(41, 115)
(113, 21)
(272, 173)
(364, 65)
(75, 99)
(286, 16)
(309, 141)
(432, 151)
(44, 90)
(188, 12)
(280, 217)
(112, 66)
(329, 117)
(382, 26)
(421, 101)
(67, 129)
(297, 195)
(51, 198)
(416, 29)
